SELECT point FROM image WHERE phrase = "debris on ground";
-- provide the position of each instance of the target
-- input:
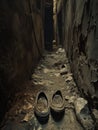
(83, 114)
(52, 73)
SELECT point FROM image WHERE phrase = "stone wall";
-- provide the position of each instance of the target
(21, 44)
(81, 42)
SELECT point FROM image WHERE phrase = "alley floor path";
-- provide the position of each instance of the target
(52, 73)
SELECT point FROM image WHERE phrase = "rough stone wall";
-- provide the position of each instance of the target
(18, 47)
(81, 42)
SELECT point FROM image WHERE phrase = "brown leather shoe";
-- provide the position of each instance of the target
(57, 106)
(42, 107)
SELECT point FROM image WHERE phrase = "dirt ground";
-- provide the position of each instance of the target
(52, 73)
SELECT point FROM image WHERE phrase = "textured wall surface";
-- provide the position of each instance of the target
(19, 52)
(81, 42)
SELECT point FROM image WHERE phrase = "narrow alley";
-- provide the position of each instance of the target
(49, 65)
(52, 74)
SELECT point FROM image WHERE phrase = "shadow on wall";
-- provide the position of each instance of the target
(60, 31)
(48, 26)
(18, 50)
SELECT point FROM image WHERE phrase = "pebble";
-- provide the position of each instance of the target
(45, 70)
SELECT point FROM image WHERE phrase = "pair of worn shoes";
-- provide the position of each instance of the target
(43, 108)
